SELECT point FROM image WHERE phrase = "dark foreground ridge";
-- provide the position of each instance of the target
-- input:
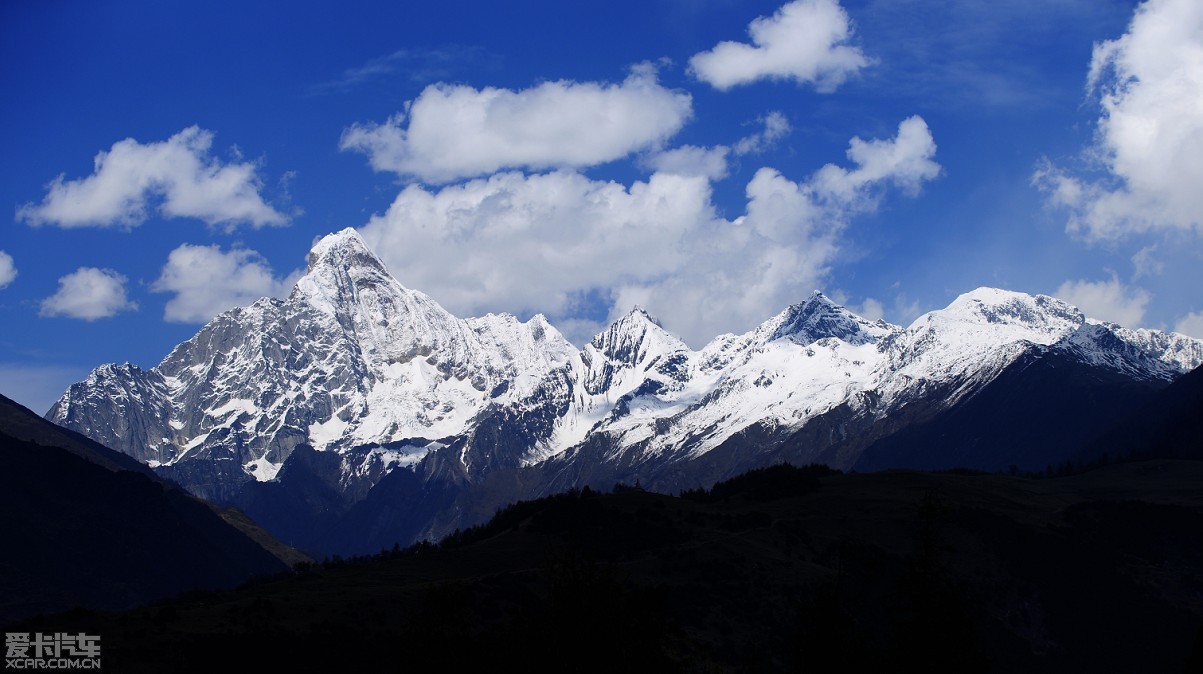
(84, 525)
(781, 569)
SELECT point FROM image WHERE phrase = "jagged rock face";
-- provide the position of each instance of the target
(349, 358)
(819, 318)
(355, 365)
(120, 406)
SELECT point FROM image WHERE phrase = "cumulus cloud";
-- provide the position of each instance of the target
(548, 242)
(1191, 325)
(535, 242)
(177, 176)
(806, 41)
(207, 281)
(456, 131)
(8, 270)
(690, 160)
(1149, 141)
(88, 294)
(905, 160)
(1107, 300)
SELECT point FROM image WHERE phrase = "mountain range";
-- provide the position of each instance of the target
(357, 413)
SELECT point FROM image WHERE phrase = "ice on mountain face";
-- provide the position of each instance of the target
(322, 434)
(263, 470)
(345, 251)
(404, 457)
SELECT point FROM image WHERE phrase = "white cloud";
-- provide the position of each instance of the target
(906, 161)
(177, 175)
(1191, 325)
(415, 65)
(523, 243)
(207, 281)
(534, 243)
(1107, 300)
(456, 131)
(8, 270)
(1150, 131)
(690, 160)
(871, 309)
(776, 127)
(906, 310)
(805, 40)
(1146, 263)
(89, 294)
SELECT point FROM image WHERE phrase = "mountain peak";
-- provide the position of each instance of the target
(634, 335)
(637, 321)
(340, 266)
(639, 313)
(1008, 307)
(817, 317)
(343, 250)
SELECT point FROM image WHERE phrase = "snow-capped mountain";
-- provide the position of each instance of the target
(379, 378)
(351, 358)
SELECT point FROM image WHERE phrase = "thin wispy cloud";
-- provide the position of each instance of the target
(776, 127)
(974, 53)
(418, 66)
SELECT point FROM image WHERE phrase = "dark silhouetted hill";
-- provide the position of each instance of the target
(1170, 425)
(86, 526)
(782, 569)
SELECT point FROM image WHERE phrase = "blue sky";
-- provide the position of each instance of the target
(712, 161)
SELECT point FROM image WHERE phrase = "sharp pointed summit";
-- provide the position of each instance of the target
(631, 338)
(344, 250)
(818, 317)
